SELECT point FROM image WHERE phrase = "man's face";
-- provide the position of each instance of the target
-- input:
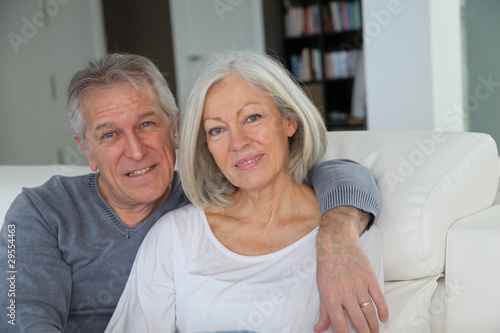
(129, 142)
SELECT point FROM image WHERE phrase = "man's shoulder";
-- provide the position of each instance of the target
(56, 193)
(60, 185)
(59, 199)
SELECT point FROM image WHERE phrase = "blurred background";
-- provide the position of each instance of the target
(409, 65)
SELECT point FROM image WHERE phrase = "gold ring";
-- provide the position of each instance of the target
(366, 304)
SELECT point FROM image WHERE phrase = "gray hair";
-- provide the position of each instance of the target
(203, 182)
(110, 70)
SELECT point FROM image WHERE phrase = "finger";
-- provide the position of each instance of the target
(370, 314)
(380, 303)
(358, 319)
(338, 320)
(324, 320)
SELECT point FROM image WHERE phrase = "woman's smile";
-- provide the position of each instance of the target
(249, 162)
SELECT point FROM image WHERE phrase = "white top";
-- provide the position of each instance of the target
(185, 280)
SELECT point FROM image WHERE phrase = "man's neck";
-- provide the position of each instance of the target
(132, 214)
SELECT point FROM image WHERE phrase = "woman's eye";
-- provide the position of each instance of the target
(215, 131)
(253, 118)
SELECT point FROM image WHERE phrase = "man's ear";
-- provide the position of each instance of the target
(90, 159)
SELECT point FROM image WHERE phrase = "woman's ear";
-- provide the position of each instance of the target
(293, 124)
(175, 132)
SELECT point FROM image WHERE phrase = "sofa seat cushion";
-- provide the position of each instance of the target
(409, 303)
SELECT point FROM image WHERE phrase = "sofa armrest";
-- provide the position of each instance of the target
(472, 273)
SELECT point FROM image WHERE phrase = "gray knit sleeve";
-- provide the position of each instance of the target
(345, 183)
(35, 284)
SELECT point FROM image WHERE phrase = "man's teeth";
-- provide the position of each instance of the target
(139, 172)
(250, 161)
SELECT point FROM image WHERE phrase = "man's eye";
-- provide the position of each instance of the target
(253, 118)
(146, 124)
(108, 135)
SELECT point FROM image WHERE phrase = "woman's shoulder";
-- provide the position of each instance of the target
(189, 217)
(189, 210)
(177, 227)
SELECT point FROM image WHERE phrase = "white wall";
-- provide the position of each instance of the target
(38, 55)
(413, 64)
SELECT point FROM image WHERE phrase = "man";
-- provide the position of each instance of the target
(77, 237)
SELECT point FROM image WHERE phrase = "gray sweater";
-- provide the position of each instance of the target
(70, 255)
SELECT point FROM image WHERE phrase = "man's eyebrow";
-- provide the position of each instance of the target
(111, 125)
(147, 114)
(103, 125)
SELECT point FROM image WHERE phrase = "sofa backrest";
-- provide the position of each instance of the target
(427, 181)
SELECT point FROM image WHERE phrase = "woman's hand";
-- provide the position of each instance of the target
(345, 277)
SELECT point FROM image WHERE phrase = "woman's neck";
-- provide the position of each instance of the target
(267, 200)
(265, 221)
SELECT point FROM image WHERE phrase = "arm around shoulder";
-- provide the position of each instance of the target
(345, 183)
(350, 202)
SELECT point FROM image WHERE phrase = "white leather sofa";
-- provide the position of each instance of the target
(440, 232)
(439, 223)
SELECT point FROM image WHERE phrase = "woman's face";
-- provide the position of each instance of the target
(246, 134)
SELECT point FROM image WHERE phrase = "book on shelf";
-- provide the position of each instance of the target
(334, 16)
(341, 64)
(300, 21)
(344, 15)
(307, 65)
(326, 18)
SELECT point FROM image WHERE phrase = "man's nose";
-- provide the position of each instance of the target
(136, 147)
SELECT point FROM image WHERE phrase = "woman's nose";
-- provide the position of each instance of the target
(239, 139)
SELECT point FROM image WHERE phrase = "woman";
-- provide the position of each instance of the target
(243, 257)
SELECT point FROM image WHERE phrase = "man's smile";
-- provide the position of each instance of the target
(140, 172)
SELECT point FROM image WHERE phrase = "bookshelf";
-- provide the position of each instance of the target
(322, 43)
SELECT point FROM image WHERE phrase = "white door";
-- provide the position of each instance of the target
(201, 27)
(42, 43)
